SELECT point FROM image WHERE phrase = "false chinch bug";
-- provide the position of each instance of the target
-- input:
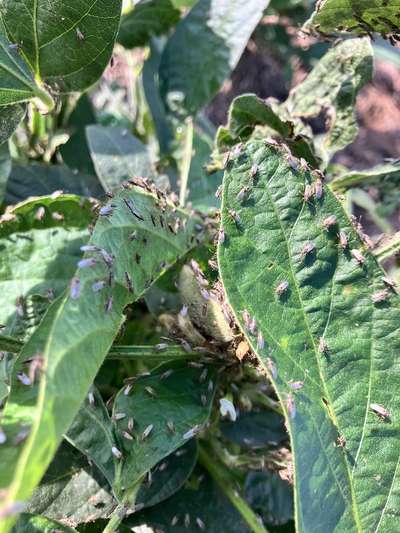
(380, 411)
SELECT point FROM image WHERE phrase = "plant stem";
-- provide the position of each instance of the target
(220, 475)
(45, 98)
(186, 161)
(120, 511)
(171, 352)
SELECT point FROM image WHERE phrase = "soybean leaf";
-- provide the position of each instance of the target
(330, 351)
(168, 476)
(38, 179)
(361, 18)
(202, 186)
(91, 432)
(10, 117)
(40, 246)
(255, 430)
(270, 497)
(17, 84)
(6, 362)
(385, 178)
(200, 499)
(9, 344)
(332, 88)
(72, 490)
(29, 523)
(204, 49)
(172, 404)
(148, 234)
(5, 169)
(248, 112)
(147, 19)
(117, 155)
(66, 44)
(151, 89)
(75, 151)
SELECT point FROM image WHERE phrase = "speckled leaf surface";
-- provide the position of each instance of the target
(361, 17)
(39, 254)
(72, 490)
(332, 87)
(10, 117)
(326, 386)
(147, 19)
(181, 398)
(67, 43)
(148, 234)
(204, 49)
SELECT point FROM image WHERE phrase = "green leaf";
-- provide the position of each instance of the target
(201, 498)
(117, 155)
(72, 490)
(91, 432)
(332, 88)
(66, 44)
(10, 117)
(39, 255)
(359, 17)
(205, 48)
(29, 523)
(17, 84)
(168, 476)
(329, 350)
(75, 151)
(181, 398)
(37, 179)
(148, 18)
(248, 111)
(270, 497)
(5, 169)
(255, 430)
(147, 234)
(9, 344)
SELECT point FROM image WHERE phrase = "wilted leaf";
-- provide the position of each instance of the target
(39, 254)
(330, 351)
(171, 405)
(117, 155)
(67, 44)
(353, 16)
(38, 179)
(79, 328)
(204, 49)
(332, 88)
(147, 19)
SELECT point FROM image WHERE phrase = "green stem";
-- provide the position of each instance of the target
(186, 161)
(45, 98)
(171, 352)
(121, 510)
(389, 248)
(219, 474)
